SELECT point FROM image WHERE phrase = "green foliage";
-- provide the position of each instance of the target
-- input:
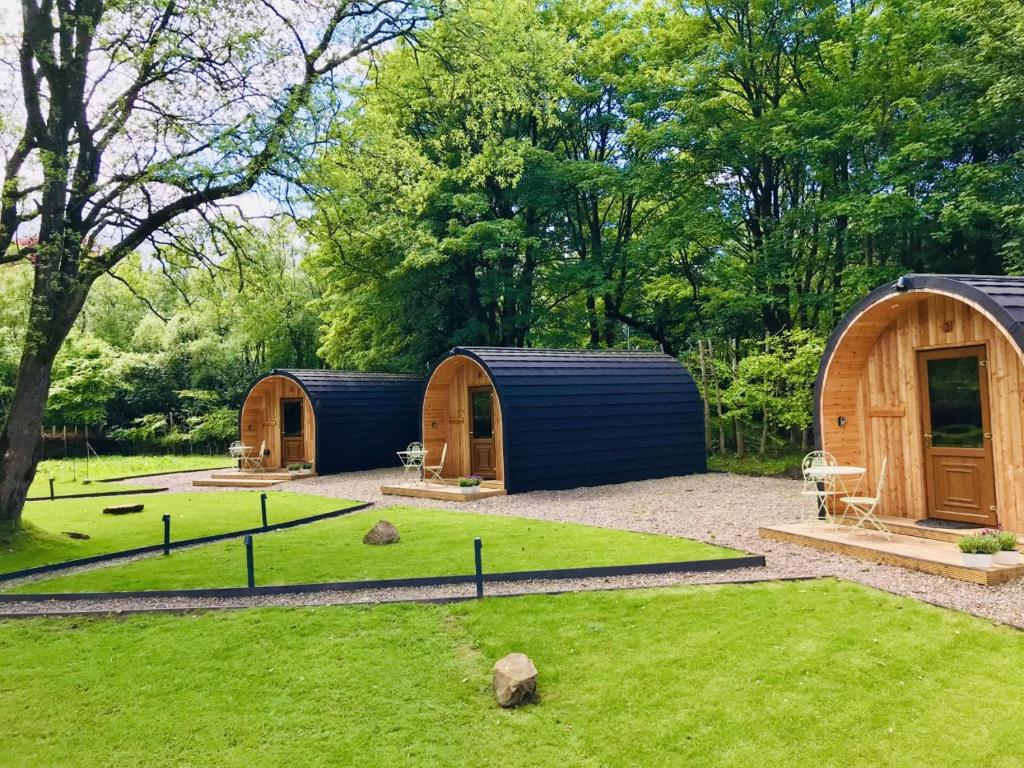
(586, 173)
(980, 544)
(1007, 541)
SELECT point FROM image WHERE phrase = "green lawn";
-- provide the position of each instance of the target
(192, 514)
(434, 543)
(71, 476)
(803, 675)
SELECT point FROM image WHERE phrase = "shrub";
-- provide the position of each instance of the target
(1007, 541)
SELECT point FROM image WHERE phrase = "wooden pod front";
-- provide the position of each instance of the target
(927, 373)
(278, 415)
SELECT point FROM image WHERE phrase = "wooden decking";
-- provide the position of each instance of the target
(445, 491)
(236, 479)
(917, 552)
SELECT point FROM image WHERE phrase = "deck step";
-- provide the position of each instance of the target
(236, 482)
(257, 475)
(444, 492)
(918, 553)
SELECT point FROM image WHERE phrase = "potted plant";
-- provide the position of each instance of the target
(977, 550)
(469, 485)
(1007, 554)
(294, 469)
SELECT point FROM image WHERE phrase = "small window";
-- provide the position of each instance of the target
(291, 418)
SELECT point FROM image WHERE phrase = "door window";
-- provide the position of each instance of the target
(291, 418)
(481, 407)
(954, 396)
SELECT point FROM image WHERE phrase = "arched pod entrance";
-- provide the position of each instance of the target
(462, 410)
(927, 371)
(278, 414)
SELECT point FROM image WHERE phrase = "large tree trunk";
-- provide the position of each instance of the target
(52, 314)
(21, 440)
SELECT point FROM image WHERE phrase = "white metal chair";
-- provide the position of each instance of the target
(252, 461)
(433, 471)
(821, 487)
(863, 507)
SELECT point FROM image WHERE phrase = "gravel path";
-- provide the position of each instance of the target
(715, 508)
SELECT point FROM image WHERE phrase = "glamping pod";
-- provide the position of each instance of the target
(927, 372)
(532, 419)
(337, 421)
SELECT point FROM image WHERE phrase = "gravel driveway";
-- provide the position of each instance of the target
(716, 508)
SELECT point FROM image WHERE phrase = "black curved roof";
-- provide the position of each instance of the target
(361, 418)
(586, 417)
(1000, 296)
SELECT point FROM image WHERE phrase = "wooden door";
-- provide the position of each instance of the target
(957, 434)
(292, 432)
(481, 432)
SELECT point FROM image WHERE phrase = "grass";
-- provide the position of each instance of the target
(433, 543)
(70, 476)
(769, 466)
(804, 675)
(192, 514)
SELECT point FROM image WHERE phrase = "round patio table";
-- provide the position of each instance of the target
(841, 473)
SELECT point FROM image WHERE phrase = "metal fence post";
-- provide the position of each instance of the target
(167, 534)
(263, 508)
(250, 567)
(478, 546)
(51, 489)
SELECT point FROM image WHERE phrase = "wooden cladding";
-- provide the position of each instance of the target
(262, 421)
(446, 418)
(871, 382)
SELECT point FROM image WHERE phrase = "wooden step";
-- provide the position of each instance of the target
(235, 482)
(918, 553)
(909, 527)
(443, 491)
(273, 475)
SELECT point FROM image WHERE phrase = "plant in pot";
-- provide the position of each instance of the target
(294, 468)
(1007, 554)
(977, 550)
(469, 482)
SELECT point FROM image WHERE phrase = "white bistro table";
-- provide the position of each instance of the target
(413, 460)
(838, 480)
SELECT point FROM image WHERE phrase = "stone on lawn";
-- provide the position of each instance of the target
(76, 535)
(382, 533)
(515, 680)
(124, 509)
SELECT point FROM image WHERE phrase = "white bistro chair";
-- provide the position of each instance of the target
(862, 508)
(433, 471)
(820, 487)
(253, 461)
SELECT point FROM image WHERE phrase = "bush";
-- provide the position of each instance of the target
(1007, 541)
(983, 544)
